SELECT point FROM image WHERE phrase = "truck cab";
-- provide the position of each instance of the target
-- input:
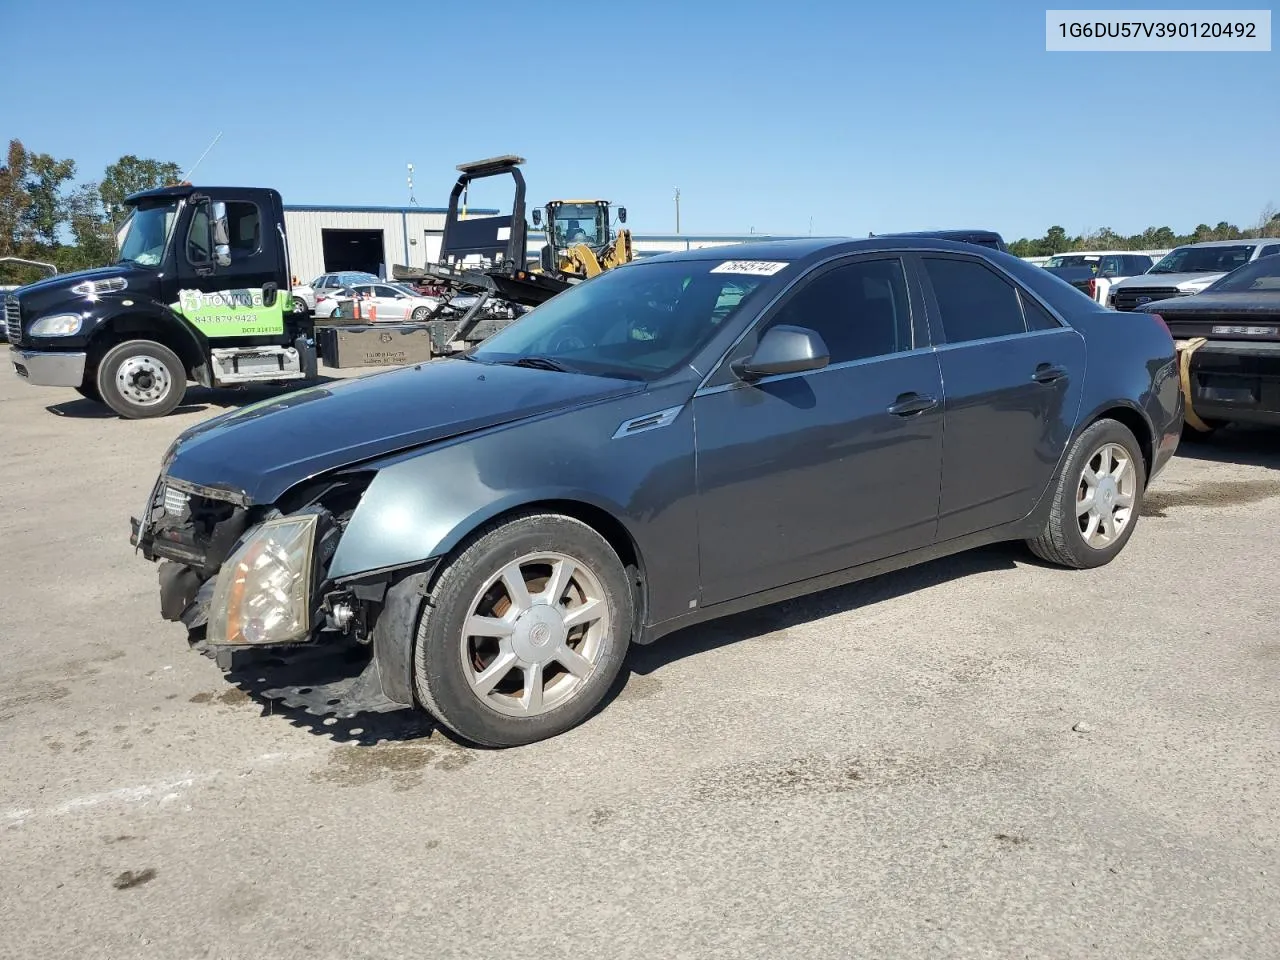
(200, 292)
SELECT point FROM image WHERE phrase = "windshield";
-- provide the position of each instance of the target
(641, 321)
(579, 223)
(1203, 260)
(145, 232)
(1262, 274)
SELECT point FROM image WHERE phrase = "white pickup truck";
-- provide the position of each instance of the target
(1187, 270)
(1094, 273)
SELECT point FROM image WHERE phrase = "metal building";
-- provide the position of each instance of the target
(326, 239)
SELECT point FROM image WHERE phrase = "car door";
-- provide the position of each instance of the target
(809, 473)
(1013, 376)
(393, 304)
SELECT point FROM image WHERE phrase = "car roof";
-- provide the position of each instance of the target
(808, 248)
(1249, 242)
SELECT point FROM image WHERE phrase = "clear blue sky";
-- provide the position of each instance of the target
(878, 117)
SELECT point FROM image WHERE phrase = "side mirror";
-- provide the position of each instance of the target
(622, 214)
(537, 217)
(221, 235)
(783, 349)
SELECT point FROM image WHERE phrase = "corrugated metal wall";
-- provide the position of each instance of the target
(399, 229)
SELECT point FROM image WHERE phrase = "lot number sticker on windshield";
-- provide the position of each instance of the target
(756, 268)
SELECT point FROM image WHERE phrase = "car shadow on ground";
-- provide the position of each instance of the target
(323, 676)
(197, 399)
(1247, 445)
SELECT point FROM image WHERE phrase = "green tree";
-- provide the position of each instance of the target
(46, 210)
(130, 175)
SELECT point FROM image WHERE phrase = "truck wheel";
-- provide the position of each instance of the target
(524, 631)
(140, 379)
(1096, 499)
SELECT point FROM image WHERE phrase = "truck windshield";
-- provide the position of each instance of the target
(639, 322)
(1203, 259)
(145, 232)
(579, 223)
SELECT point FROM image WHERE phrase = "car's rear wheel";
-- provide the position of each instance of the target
(1097, 498)
(524, 631)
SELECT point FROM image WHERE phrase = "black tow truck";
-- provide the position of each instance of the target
(200, 293)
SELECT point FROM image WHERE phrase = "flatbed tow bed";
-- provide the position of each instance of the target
(501, 246)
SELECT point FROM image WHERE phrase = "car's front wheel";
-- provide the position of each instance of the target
(524, 631)
(1097, 497)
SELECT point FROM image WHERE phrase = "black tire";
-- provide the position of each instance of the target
(420, 314)
(439, 678)
(128, 406)
(1062, 542)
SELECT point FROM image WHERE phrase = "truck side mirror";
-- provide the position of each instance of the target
(622, 214)
(537, 217)
(221, 235)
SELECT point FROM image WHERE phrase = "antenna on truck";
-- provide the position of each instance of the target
(187, 176)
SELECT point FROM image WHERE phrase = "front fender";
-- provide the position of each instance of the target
(421, 505)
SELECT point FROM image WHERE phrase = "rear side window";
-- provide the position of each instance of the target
(1037, 317)
(975, 302)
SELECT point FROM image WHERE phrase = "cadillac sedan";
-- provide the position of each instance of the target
(681, 438)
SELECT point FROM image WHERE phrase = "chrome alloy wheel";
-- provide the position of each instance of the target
(534, 634)
(1105, 496)
(143, 380)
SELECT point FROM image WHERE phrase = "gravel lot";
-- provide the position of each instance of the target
(982, 757)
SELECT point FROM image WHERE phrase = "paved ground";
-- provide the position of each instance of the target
(888, 770)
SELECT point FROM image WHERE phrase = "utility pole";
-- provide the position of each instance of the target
(811, 226)
(413, 202)
(677, 211)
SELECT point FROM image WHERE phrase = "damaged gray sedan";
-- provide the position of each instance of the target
(678, 439)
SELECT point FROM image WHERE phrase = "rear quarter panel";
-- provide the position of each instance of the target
(1132, 364)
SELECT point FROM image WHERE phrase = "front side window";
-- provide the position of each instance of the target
(859, 309)
(145, 233)
(974, 301)
(640, 321)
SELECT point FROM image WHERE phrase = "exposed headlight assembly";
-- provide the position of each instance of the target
(263, 593)
(57, 325)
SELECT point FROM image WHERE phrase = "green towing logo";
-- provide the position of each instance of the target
(232, 313)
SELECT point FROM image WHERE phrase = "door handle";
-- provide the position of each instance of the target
(910, 404)
(1048, 373)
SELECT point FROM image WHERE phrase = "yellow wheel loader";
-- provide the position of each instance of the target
(581, 241)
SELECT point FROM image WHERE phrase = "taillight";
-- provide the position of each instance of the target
(1093, 288)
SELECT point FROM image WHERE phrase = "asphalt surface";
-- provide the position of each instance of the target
(981, 757)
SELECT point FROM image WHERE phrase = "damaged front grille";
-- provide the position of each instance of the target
(187, 525)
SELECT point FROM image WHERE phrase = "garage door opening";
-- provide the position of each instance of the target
(353, 250)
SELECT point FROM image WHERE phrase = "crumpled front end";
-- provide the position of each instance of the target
(243, 577)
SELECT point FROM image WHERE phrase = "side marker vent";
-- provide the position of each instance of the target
(650, 421)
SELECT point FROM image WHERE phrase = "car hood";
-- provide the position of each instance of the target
(258, 452)
(1167, 279)
(1216, 304)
